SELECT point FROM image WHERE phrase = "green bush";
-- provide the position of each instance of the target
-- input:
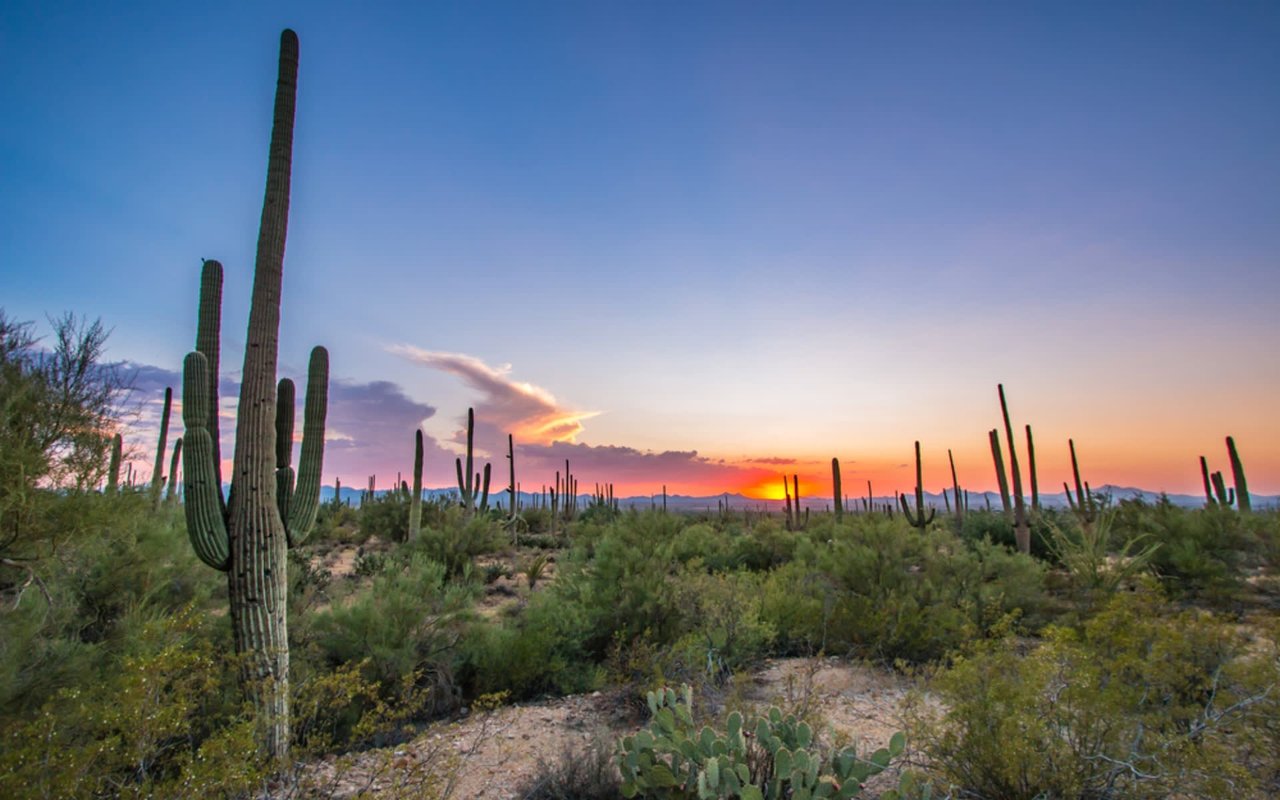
(1144, 702)
(406, 627)
(882, 589)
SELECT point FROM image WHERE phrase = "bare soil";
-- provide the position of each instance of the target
(491, 755)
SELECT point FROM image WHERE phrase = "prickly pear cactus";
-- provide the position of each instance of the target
(766, 757)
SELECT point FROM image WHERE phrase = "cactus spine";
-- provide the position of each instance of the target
(918, 519)
(1237, 474)
(247, 535)
(415, 501)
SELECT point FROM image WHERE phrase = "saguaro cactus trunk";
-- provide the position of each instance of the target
(248, 535)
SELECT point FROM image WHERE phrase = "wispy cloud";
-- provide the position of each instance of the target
(506, 406)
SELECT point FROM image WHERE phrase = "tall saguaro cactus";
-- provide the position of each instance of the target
(247, 535)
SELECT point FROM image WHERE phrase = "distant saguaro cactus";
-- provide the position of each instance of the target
(836, 497)
(248, 534)
(157, 472)
(473, 495)
(415, 501)
(918, 519)
(113, 468)
(1237, 474)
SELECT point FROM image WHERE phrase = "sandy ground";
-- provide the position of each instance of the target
(490, 755)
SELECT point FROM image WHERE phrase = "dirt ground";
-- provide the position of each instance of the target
(491, 755)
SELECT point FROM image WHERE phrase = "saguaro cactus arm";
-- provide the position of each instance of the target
(304, 502)
(202, 503)
(1237, 474)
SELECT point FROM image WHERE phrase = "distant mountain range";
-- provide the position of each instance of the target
(679, 502)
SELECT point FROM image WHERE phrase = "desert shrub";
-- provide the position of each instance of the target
(884, 589)
(405, 627)
(711, 546)
(385, 516)
(586, 773)
(1202, 553)
(536, 653)
(337, 522)
(764, 546)
(724, 628)
(455, 545)
(121, 565)
(1143, 702)
(980, 524)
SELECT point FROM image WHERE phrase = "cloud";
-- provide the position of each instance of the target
(773, 460)
(528, 412)
(368, 430)
(632, 470)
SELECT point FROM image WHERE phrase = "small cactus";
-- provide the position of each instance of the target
(836, 497)
(771, 755)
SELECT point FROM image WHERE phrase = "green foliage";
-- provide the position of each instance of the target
(408, 623)
(884, 589)
(57, 413)
(458, 542)
(771, 755)
(1096, 570)
(1143, 702)
(1203, 552)
(386, 517)
(120, 565)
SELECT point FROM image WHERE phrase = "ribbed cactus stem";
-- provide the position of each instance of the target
(1237, 474)
(836, 496)
(209, 342)
(157, 473)
(304, 502)
(415, 500)
(286, 397)
(484, 492)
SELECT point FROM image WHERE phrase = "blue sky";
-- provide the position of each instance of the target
(743, 229)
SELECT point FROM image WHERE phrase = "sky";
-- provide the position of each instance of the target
(691, 244)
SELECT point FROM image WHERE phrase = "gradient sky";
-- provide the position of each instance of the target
(686, 243)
